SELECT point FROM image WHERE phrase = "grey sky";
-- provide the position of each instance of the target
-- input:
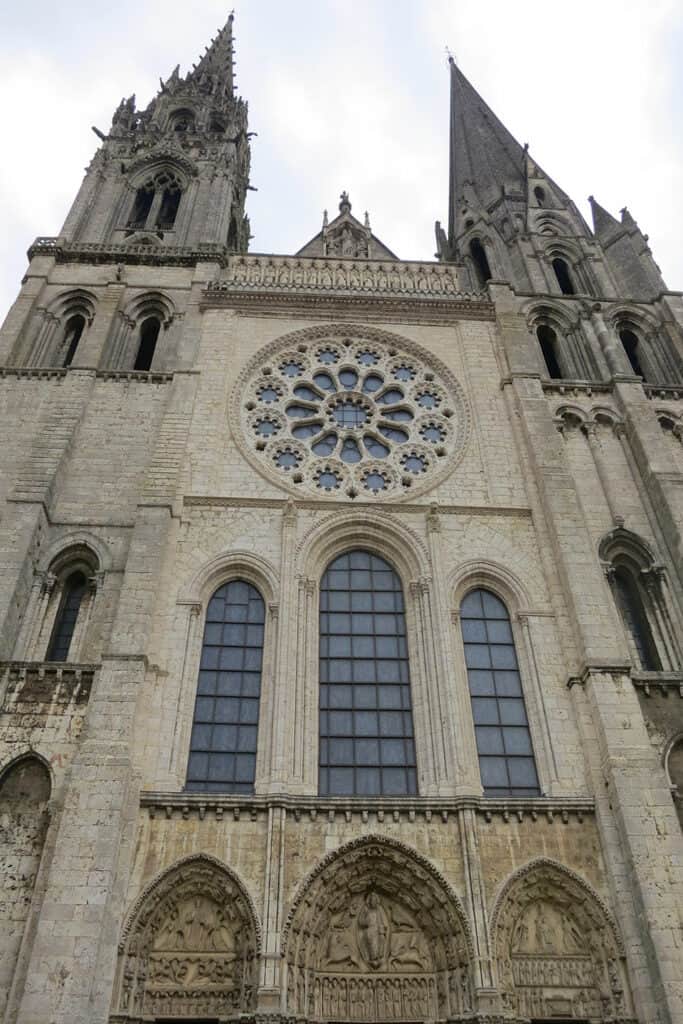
(353, 95)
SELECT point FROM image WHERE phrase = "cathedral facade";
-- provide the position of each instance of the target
(341, 600)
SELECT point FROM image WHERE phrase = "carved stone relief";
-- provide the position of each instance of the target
(190, 949)
(557, 951)
(24, 794)
(376, 936)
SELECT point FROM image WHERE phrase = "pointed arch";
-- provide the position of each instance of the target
(556, 946)
(25, 789)
(375, 924)
(190, 944)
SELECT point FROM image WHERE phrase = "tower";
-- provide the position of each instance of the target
(341, 601)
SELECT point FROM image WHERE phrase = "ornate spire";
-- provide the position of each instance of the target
(215, 70)
(483, 152)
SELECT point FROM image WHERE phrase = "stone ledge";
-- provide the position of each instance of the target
(665, 683)
(428, 809)
(120, 252)
(574, 388)
(665, 392)
(46, 682)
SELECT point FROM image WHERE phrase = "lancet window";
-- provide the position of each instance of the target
(366, 723)
(149, 334)
(226, 715)
(480, 262)
(73, 592)
(506, 757)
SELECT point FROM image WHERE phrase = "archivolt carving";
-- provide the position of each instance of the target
(190, 946)
(376, 934)
(557, 949)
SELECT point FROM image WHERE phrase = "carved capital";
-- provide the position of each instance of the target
(48, 582)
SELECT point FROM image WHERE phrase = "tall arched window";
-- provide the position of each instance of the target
(144, 197)
(630, 341)
(547, 339)
(72, 595)
(149, 332)
(73, 330)
(506, 757)
(366, 721)
(631, 605)
(480, 261)
(170, 202)
(539, 193)
(156, 202)
(564, 277)
(226, 714)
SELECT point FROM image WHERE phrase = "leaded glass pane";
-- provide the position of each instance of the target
(65, 623)
(223, 745)
(366, 728)
(506, 758)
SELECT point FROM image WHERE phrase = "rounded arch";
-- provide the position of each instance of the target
(551, 313)
(551, 223)
(674, 770)
(570, 416)
(191, 939)
(75, 302)
(375, 921)
(628, 317)
(372, 531)
(490, 575)
(602, 414)
(556, 946)
(621, 543)
(151, 304)
(228, 566)
(81, 546)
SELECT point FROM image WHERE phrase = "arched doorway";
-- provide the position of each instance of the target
(189, 950)
(557, 953)
(376, 935)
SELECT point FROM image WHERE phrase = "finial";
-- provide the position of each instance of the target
(345, 204)
(325, 219)
(451, 56)
(367, 220)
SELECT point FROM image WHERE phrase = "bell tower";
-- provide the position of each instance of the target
(176, 173)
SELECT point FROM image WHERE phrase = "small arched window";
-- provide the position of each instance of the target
(226, 714)
(73, 591)
(182, 121)
(632, 604)
(506, 757)
(168, 211)
(631, 344)
(366, 721)
(149, 333)
(73, 330)
(547, 340)
(539, 193)
(563, 275)
(480, 262)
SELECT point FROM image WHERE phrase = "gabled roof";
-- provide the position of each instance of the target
(345, 237)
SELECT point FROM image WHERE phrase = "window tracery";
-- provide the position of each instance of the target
(350, 413)
(156, 202)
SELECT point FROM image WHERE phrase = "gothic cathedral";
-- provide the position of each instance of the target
(342, 601)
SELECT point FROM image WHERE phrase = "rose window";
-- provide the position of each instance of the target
(341, 417)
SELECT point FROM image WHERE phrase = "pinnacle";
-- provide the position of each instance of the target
(602, 219)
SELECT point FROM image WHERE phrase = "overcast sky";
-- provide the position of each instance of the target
(353, 94)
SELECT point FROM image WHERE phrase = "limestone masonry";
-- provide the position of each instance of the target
(341, 601)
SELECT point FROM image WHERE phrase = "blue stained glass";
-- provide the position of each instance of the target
(285, 460)
(328, 355)
(299, 412)
(390, 397)
(375, 482)
(432, 433)
(350, 452)
(307, 394)
(393, 434)
(328, 481)
(324, 381)
(372, 383)
(268, 394)
(428, 400)
(307, 430)
(398, 415)
(326, 445)
(224, 736)
(415, 464)
(266, 428)
(375, 447)
(348, 378)
(404, 372)
(292, 369)
(349, 415)
(366, 747)
(367, 358)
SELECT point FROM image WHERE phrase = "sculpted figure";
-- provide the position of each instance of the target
(340, 951)
(373, 931)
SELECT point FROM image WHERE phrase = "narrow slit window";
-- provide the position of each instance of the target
(564, 277)
(480, 261)
(149, 333)
(506, 757)
(547, 339)
(73, 592)
(631, 344)
(168, 211)
(72, 335)
(142, 205)
(226, 714)
(634, 617)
